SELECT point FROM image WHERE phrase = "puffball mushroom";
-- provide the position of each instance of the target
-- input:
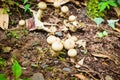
(72, 18)
(21, 22)
(72, 52)
(69, 44)
(42, 5)
(57, 46)
(52, 39)
(64, 9)
(56, 4)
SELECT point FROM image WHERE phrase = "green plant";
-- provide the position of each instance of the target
(2, 62)
(26, 6)
(2, 77)
(102, 34)
(93, 10)
(105, 4)
(16, 69)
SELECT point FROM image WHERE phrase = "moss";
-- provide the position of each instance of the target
(93, 9)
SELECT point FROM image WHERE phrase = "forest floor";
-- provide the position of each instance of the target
(100, 60)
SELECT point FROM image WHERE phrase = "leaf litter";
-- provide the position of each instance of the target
(28, 47)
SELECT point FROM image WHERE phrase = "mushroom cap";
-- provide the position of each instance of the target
(56, 4)
(72, 18)
(72, 52)
(51, 39)
(69, 44)
(42, 5)
(22, 22)
(64, 9)
(57, 46)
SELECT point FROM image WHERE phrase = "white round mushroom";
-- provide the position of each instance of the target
(72, 52)
(64, 9)
(56, 4)
(69, 44)
(21, 22)
(57, 46)
(51, 39)
(42, 5)
(72, 18)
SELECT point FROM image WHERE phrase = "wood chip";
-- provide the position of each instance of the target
(4, 20)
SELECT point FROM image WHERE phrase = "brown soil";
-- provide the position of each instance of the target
(33, 53)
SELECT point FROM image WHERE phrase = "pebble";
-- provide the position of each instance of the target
(58, 34)
(37, 76)
(66, 69)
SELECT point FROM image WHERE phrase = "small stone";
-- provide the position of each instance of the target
(44, 66)
(66, 69)
(38, 76)
(107, 77)
(58, 34)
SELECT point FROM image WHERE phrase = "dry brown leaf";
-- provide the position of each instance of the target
(4, 20)
(117, 9)
(61, 1)
(81, 77)
(100, 55)
(118, 30)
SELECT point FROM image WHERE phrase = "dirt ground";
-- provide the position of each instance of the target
(33, 52)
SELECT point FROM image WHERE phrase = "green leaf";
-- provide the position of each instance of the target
(118, 1)
(98, 21)
(111, 23)
(112, 3)
(16, 69)
(105, 33)
(2, 77)
(25, 1)
(26, 7)
(100, 34)
(103, 6)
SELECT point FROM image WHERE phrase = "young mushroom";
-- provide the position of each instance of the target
(52, 39)
(72, 18)
(72, 52)
(57, 46)
(64, 9)
(57, 5)
(69, 44)
(21, 23)
(42, 6)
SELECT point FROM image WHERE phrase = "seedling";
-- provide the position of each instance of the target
(16, 69)
(98, 21)
(111, 23)
(102, 34)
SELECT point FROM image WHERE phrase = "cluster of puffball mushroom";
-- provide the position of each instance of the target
(57, 44)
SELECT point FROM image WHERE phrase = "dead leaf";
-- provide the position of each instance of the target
(81, 77)
(117, 9)
(80, 63)
(4, 19)
(118, 30)
(61, 1)
(100, 55)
